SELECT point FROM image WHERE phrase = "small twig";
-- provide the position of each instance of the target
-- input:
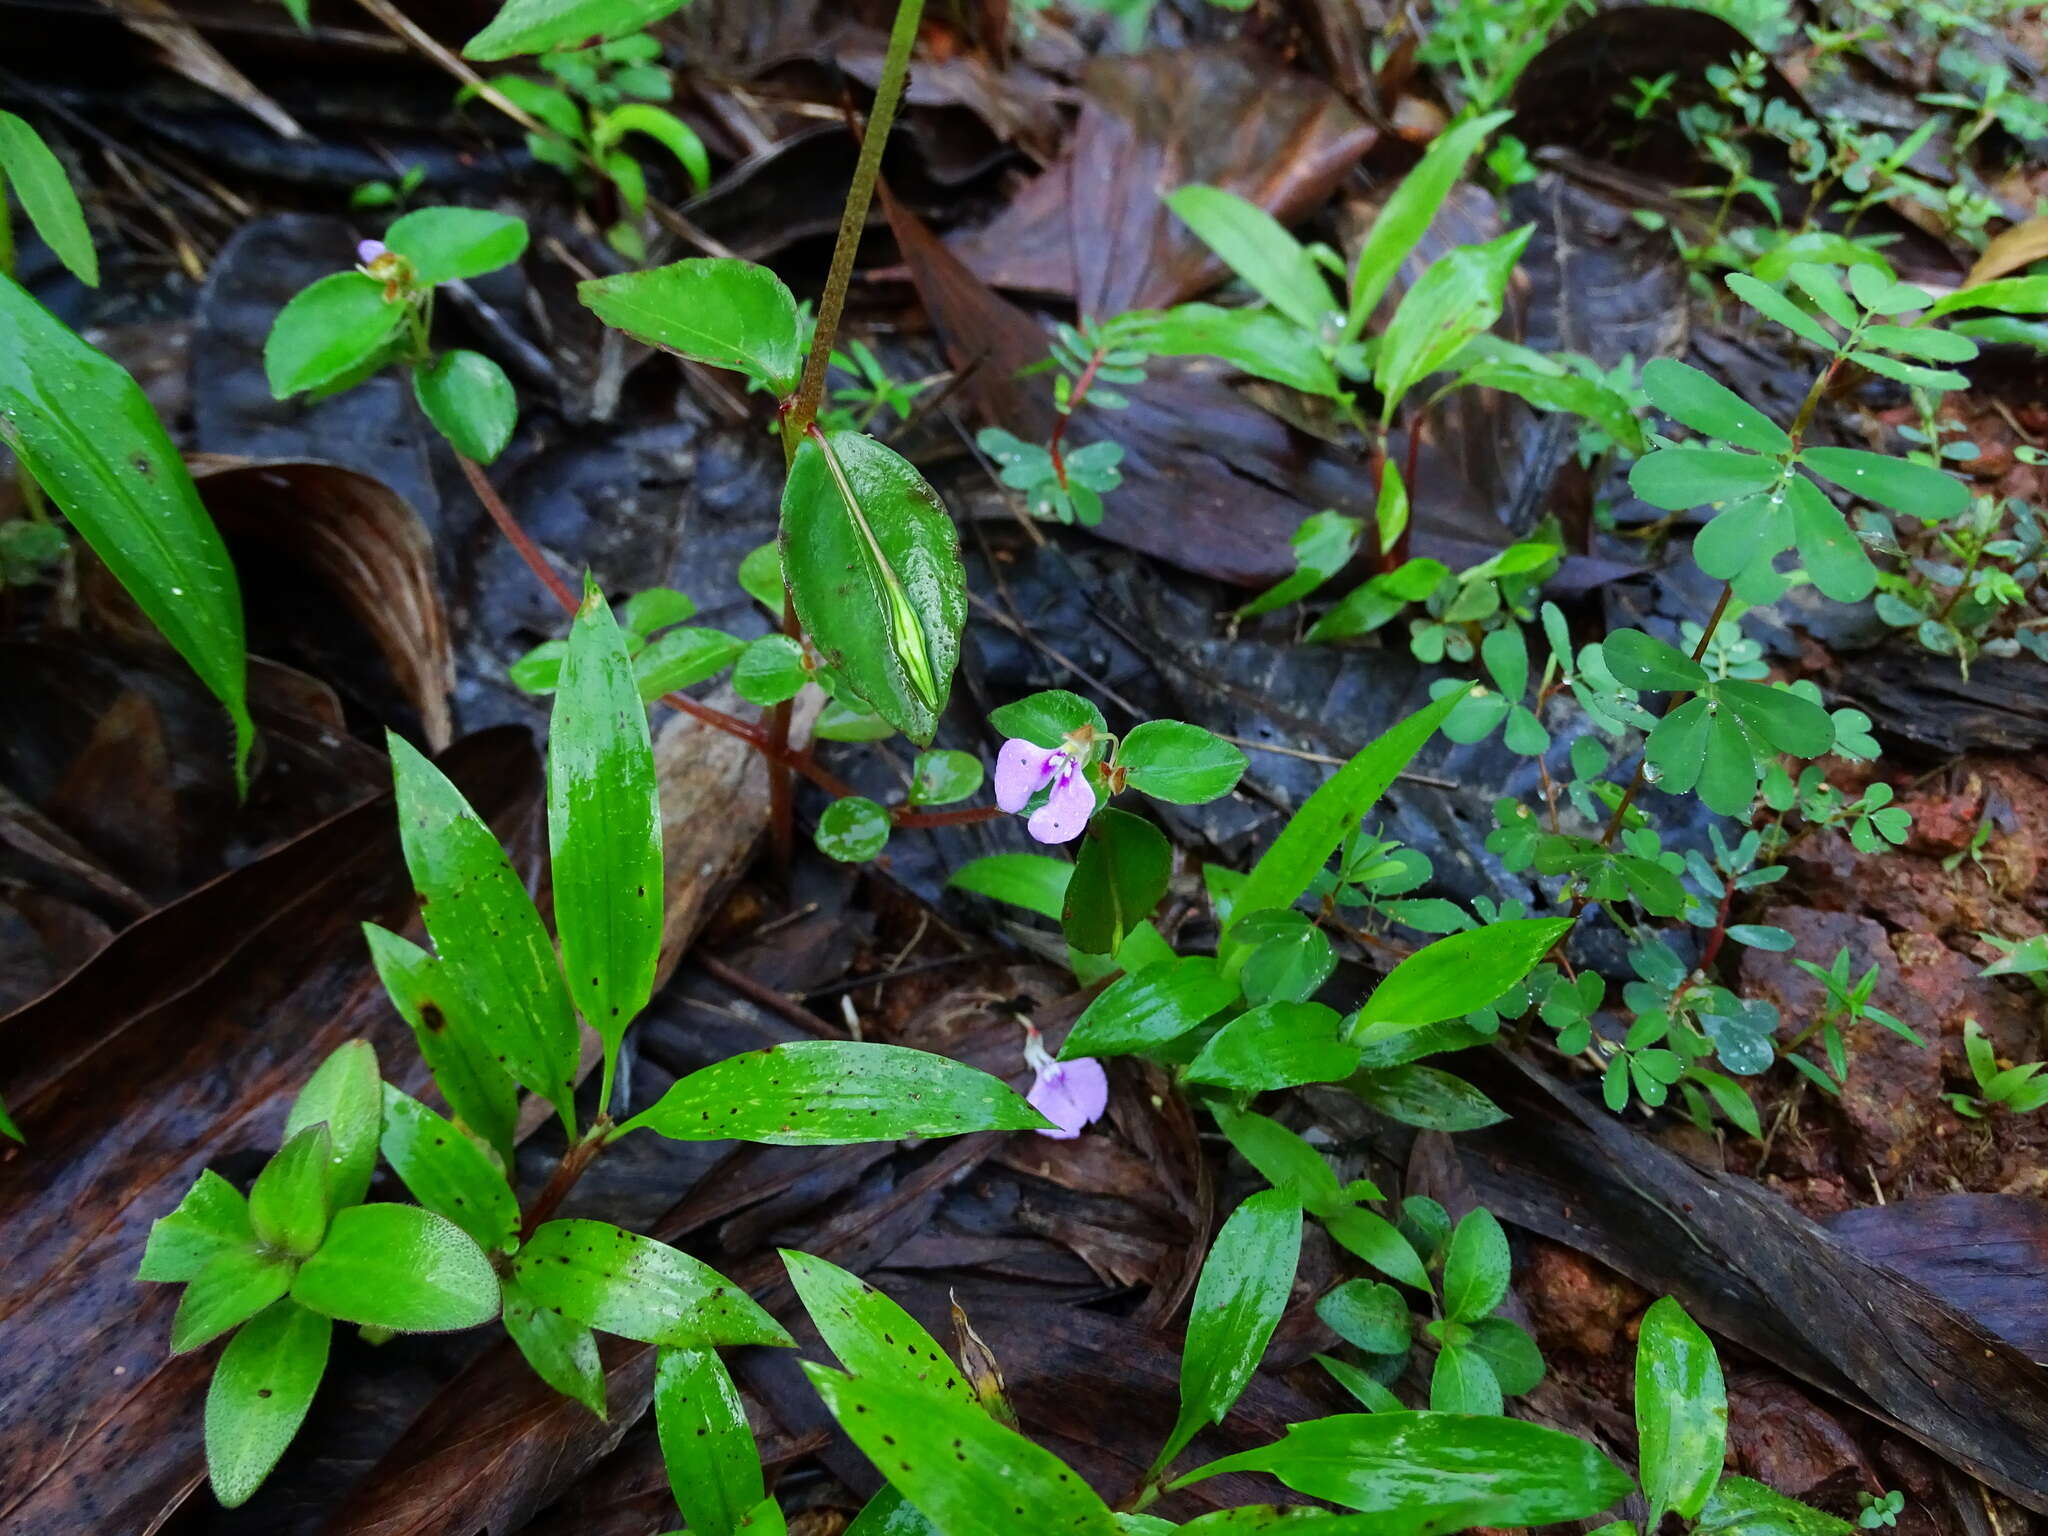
(781, 1004)
(574, 1164)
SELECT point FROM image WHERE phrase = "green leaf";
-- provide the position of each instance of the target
(212, 1219)
(86, 434)
(563, 1353)
(1180, 763)
(399, 1267)
(446, 245)
(1408, 213)
(37, 177)
(470, 402)
(1242, 1291)
(1460, 295)
(1147, 1009)
(345, 1094)
(888, 1513)
(871, 1335)
(1773, 305)
(1368, 1314)
(289, 1202)
(1253, 341)
(971, 1475)
(2008, 295)
(1900, 484)
(1377, 1241)
(770, 670)
(604, 830)
(483, 1097)
(620, 1282)
(259, 1395)
(1290, 958)
(1681, 1412)
(1036, 882)
(1276, 1045)
(491, 942)
(1282, 1158)
(1550, 388)
(1710, 408)
(834, 1092)
(1516, 1363)
(1434, 1472)
(327, 330)
(1476, 1268)
(235, 1285)
(665, 128)
(1254, 245)
(760, 575)
(1678, 479)
(714, 1467)
(1834, 557)
(1427, 1097)
(537, 26)
(1121, 873)
(717, 310)
(1046, 719)
(1779, 716)
(447, 1172)
(1458, 974)
(873, 563)
(682, 657)
(942, 776)
(1641, 661)
(1375, 1397)
(853, 829)
(1741, 1507)
(1462, 1382)
(1323, 545)
(1915, 374)
(1313, 832)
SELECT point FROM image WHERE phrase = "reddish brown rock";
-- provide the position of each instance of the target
(1779, 1436)
(1575, 1302)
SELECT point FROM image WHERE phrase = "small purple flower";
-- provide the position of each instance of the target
(1071, 1094)
(1023, 769)
(367, 251)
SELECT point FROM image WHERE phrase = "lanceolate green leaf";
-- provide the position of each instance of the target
(873, 563)
(446, 1171)
(717, 310)
(288, 1203)
(1276, 1045)
(1314, 831)
(536, 26)
(620, 1282)
(346, 1094)
(1148, 1008)
(483, 1096)
(85, 432)
(1459, 296)
(399, 1267)
(1258, 248)
(1458, 974)
(1036, 882)
(604, 830)
(873, 1337)
(1476, 1268)
(1425, 1473)
(1122, 871)
(831, 1092)
(1741, 1506)
(259, 1395)
(971, 1475)
(1406, 217)
(1242, 1291)
(1681, 1412)
(562, 1352)
(714, 1467)
(484, 925)
(1711, 408)
(37, 178)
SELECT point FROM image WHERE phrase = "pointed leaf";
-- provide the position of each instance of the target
(714, 1467)
(1408, 212)
(539, 26)
(1681, 1412)
(346, 1094)
(289, 1202)
(1476, 1268)
(1709, 407)
(259, 1395)
(1119, 878)
(1276, 1045)
(1258, 248)
(1457, 974)
(717, 310)
(480, 1092)
(562, 1352)
(622, 1283)
(1900, 484)
(399, 1267)
(447, 1172)
(36, 177)
(235, 1285)
(872, 1336)
(212, 1219)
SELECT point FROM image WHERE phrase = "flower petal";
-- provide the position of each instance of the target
(1071, 1094)
(1022, 770)
(1066, 810)
(368, 251)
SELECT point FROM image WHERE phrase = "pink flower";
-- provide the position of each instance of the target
(1023, 769)
(1071, 1094)
(367, 251)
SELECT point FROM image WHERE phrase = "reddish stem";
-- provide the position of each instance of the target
(1074, 403)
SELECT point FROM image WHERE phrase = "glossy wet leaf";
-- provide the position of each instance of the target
(1181, 763)
(346, 1094)
(234, 1286)
(888, 1513)
(86, 433)
(399, 1267)
(213, 1218)
(470, 402)
(1457, 974)
(717, 310)
(1323, 820)
(1282, 1158)
(1047, 718)
(770, 670)
(873, 563)
(1709, 407)
(1460, 295)
(942, 776)
(1902, 485)
(1368, 1314)
(1741, 1506)
(1681, 1412)
(1243, 1289)
(261, 1389)
(328, 330)
(446, 1171)
(34, 174)
(1678, 479)
(1276, 1045)
(1290, 957)
(1037, 882)
(1462, 1382)
(562, 1352)
(871, 1335)
(1778, 716)
(604, 829)
(831, 1092)
(1642, 661)
(714, 1467)
(1151, 1006)
(1408, 212)
(620, 1282)
(1427, 1097)
(289, 1202)
(852, 829)
(973, 1476)
(682, 657)
(489, 938)
(1119, 877)
(453, 1044)
(1258, 248)
(1476, 1268)
(1424, 1473)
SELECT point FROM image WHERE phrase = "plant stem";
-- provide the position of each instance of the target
(574, 1164)
(6, 233)
(854, 218)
